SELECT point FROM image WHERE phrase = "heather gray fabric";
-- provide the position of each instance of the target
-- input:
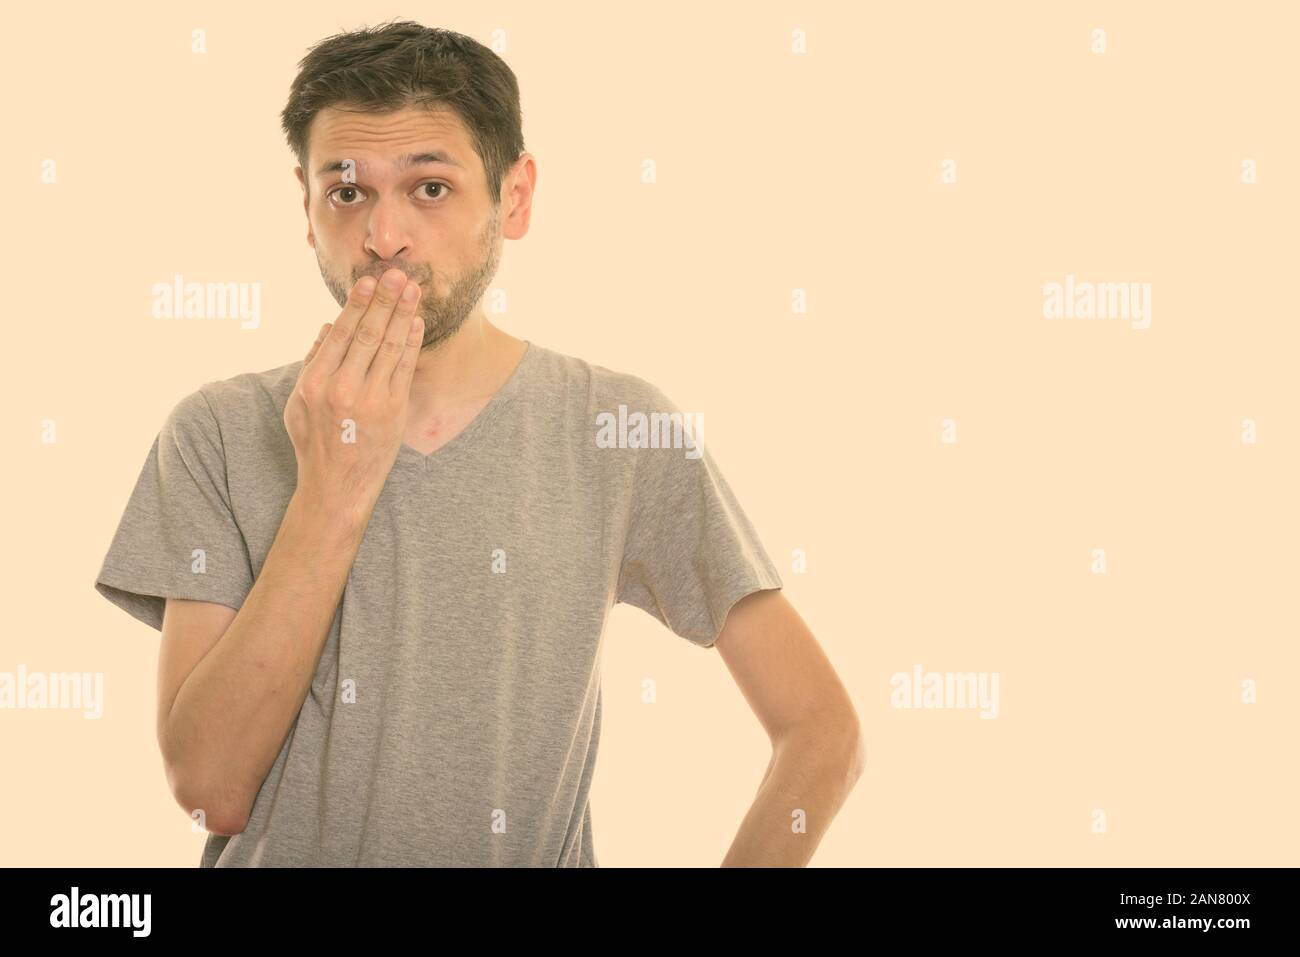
(470, 630)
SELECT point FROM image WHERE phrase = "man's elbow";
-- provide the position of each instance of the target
(852, 746)
(213, 817)
(858, 753)
(226, 825)
(204, 804)
(836, 739)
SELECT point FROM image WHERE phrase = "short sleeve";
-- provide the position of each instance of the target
(178, 537)
(690, 552)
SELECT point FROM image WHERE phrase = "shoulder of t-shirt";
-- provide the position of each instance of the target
(243, 397)
(603, 387)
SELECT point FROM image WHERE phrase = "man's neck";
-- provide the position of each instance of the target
(462, 372)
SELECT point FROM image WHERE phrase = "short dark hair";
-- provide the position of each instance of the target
(406, 64)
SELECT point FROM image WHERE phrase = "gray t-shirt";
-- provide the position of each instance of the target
(454, 716)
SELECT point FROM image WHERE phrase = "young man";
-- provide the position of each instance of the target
(382, 572)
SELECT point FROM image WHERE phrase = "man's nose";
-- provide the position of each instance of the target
(388, 237)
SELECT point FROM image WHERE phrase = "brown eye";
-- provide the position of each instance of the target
(445, 189)
(344, 189)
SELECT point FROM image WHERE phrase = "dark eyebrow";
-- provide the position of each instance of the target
(412, 159)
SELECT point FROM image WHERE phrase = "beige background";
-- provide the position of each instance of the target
(776, 171)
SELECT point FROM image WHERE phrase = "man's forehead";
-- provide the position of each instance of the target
(403, 139)
(424, 157)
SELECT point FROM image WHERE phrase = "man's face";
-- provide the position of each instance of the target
(432, 220)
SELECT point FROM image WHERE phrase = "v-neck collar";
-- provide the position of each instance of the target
(466, 438)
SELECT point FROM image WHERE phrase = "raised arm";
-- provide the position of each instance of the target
(236, 686)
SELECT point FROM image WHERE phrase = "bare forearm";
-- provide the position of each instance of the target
(807, 781)
(232, 714)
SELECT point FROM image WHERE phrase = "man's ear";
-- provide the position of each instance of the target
(306, 202)
(517, 196)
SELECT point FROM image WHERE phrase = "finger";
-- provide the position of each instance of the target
(395, 336)
(404, 371)
(320, 337)
(335, 345)
(360, 354)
